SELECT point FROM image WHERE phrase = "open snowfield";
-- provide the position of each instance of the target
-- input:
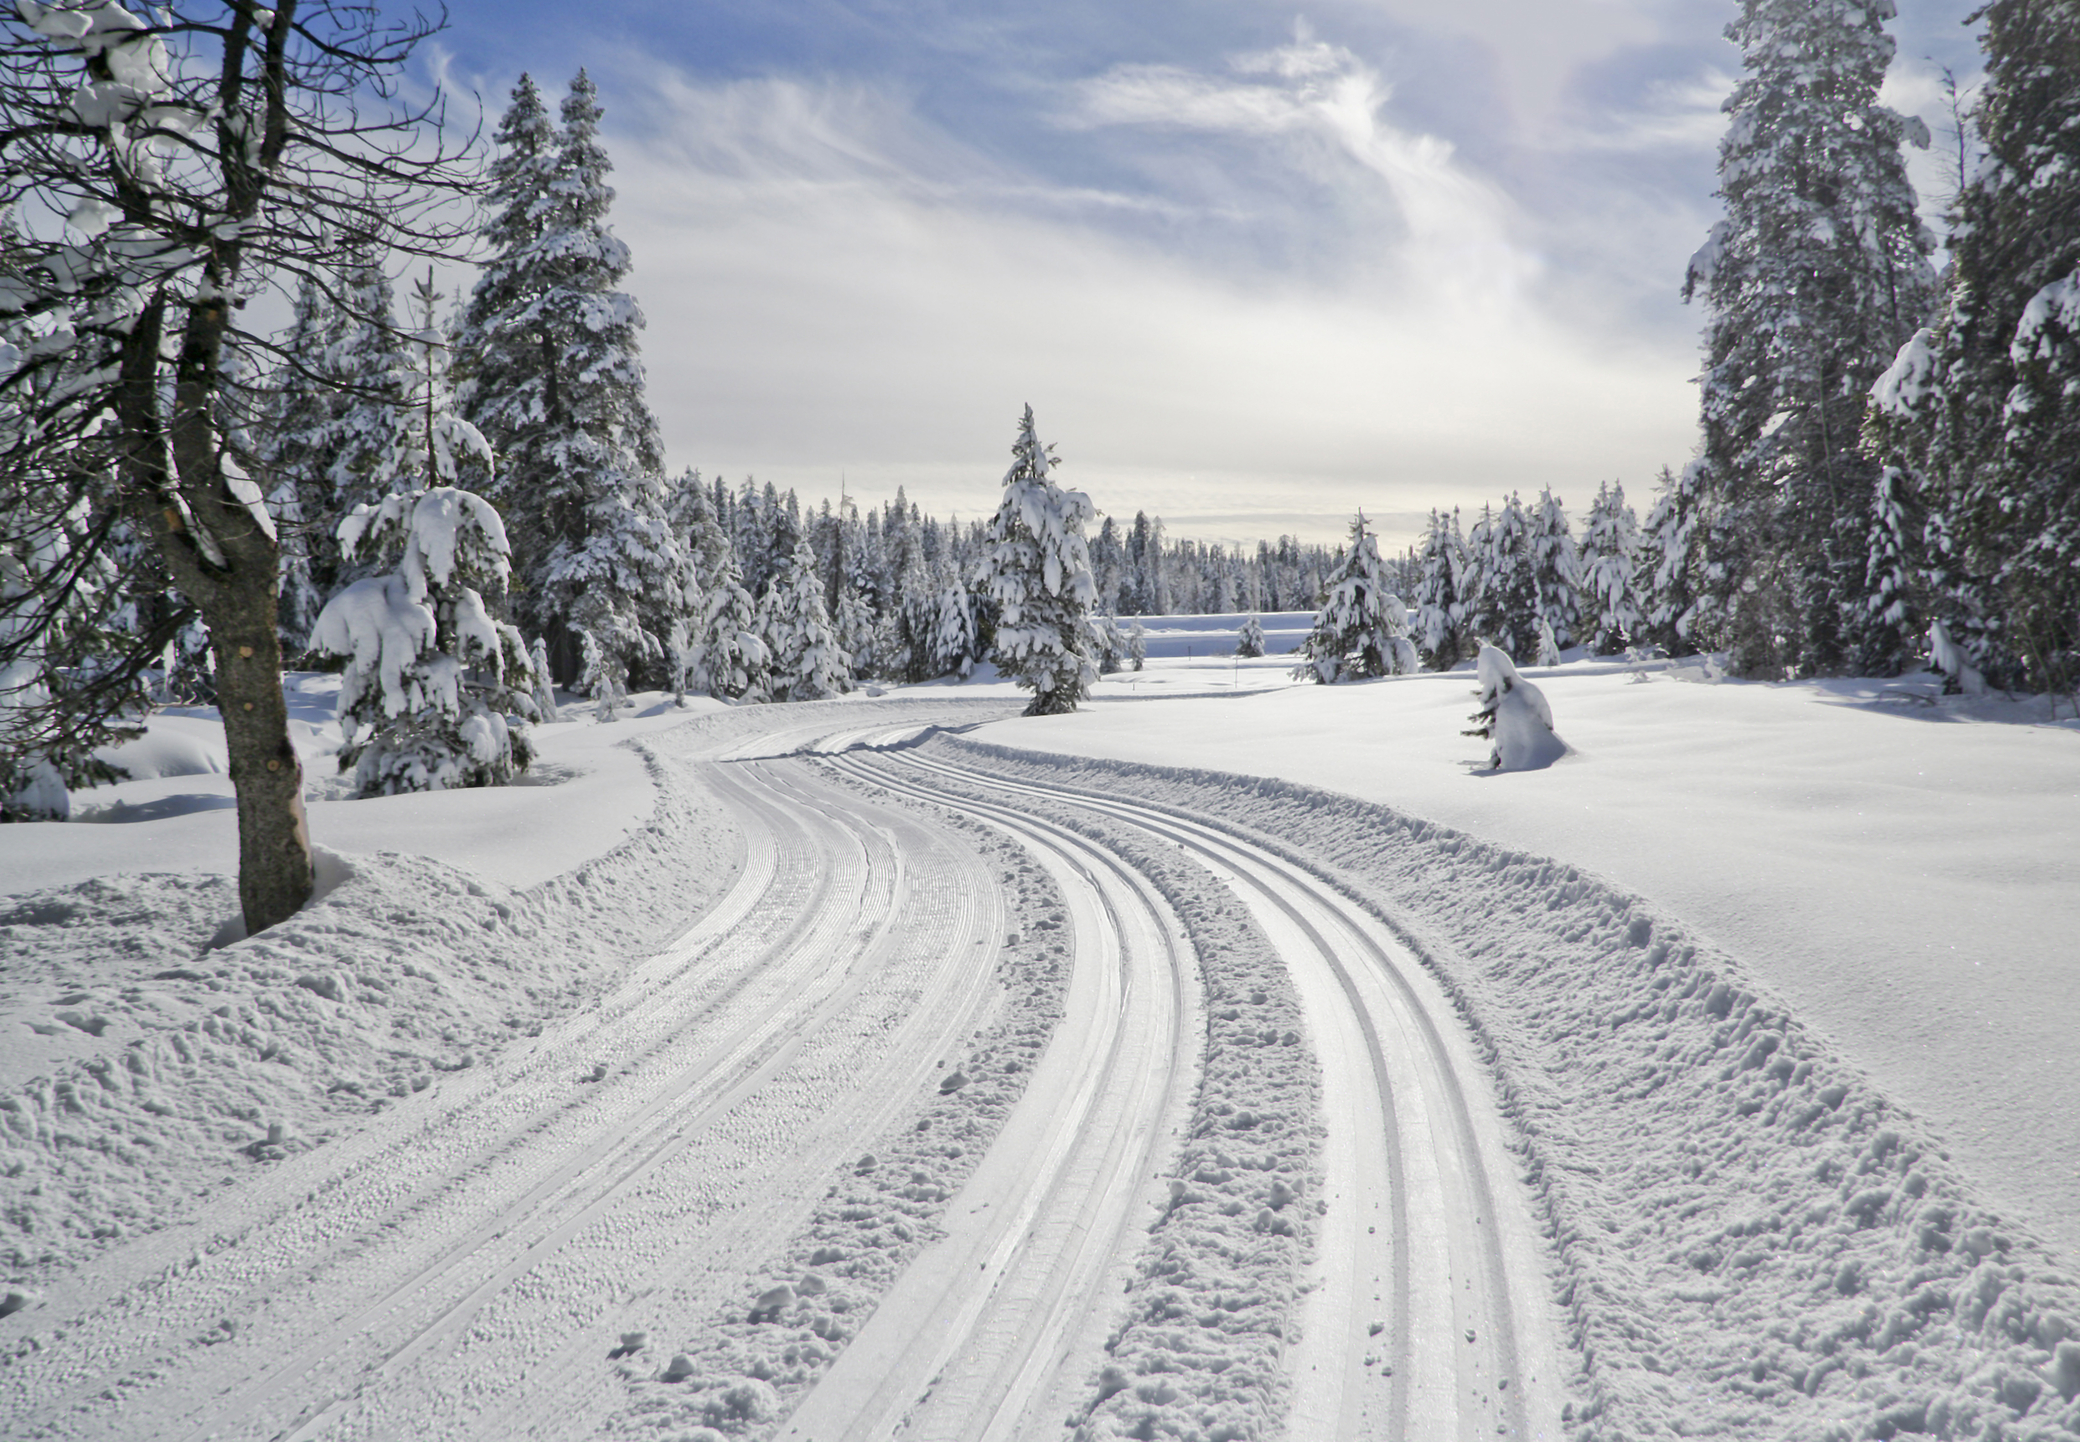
(902, 1065)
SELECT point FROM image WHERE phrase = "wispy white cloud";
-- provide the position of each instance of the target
(1681, 115)
(1326, 109)
(835, 285)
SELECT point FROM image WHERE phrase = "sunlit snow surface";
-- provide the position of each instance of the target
(1903, 870)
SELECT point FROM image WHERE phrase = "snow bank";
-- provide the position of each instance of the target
(1753, 1239)
(142, 1066)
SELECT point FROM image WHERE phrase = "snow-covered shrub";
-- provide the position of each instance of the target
(431, 678)
(1949, 658)
(1137, 645)
(1249, 641)
(1362, 628)
(1040, 574)
(1514, 717)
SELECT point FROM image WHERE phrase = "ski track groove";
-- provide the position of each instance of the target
(1000, 1320)
(366, 1203)
(1292, 891)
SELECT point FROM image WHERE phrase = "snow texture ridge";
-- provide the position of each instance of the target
(1200, 1354)
(1750, 1240)
(156, 1068)
(740, 1373)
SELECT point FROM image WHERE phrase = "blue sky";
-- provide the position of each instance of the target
(1253, 266)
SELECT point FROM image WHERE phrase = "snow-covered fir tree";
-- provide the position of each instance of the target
(1812, 281)
(369, 450)
(295, 453)
(1502, 601)
(549, 368)
(1362, 627)
(1514, 716)
(1249, 641)
(1039, 575)
(1611, 615)
(1669, 579)
(808, 664)
(1440, 609)
(955, 647)
(1980, 415)
(1556, 569)
(730, 658)
(431, 678)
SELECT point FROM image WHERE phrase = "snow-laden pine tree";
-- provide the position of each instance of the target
(431, 678)
(1812, 281)
(1440, 609)
(1502, 605)
(1556, 569)
(550, 371)
(1668, 581)
(369, 449)
(1611, 615)
(808, 663)
(1039, 574)
(1514, 717)
(1249, 641)
(1981, 414)
(1362, 627)
(730, 658)
(954, 644)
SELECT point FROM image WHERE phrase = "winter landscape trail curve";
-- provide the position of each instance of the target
(463, 1266)
(997, 1327)
(1431, 1314)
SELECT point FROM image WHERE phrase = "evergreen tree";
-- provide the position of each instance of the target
(551, 374)
(369, 449)
(954, 643)
(1815, 277)
(808, 664)
(1502, 609)
(1039, 574)
(1611, 616)
(431, 678)
(1440, 609)
(1981, 414)
(1249, 641)
(1362, 627)
(295, 453)
(1556, 569)
(731, 659)
(1668, 581)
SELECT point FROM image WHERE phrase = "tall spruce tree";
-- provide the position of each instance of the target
(1980, 415)
(1039, 574)
(1440, 631)
(1671, 563)
(1816, 275)
(295, 453)
(550, 372)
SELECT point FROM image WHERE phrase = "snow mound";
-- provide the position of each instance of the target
(171, 746)
(1514, 716)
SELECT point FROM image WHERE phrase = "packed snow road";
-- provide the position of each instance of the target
(517, 1251)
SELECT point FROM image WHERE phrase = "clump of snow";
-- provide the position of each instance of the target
(1514, 716)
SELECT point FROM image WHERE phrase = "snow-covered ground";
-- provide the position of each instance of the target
(1728, 1060)
(1905, 875)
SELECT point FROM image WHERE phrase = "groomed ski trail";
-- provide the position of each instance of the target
(1425, 1235)
(462, 1267)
